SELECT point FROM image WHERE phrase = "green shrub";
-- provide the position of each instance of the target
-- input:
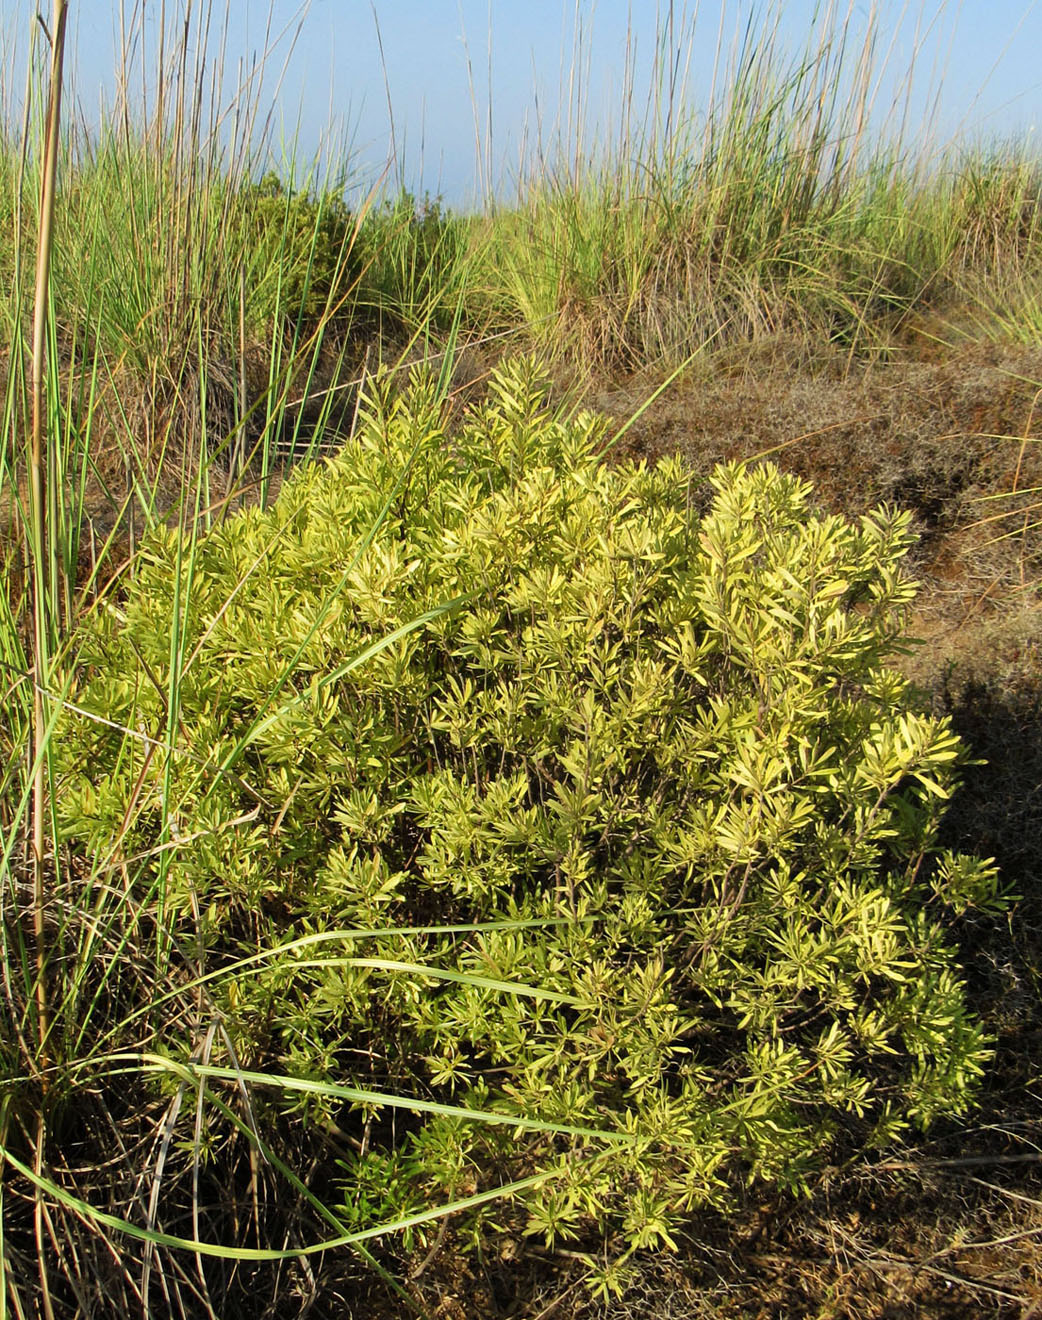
(414, 256)
(300, 252)
(668, 739)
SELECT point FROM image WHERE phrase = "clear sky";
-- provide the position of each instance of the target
(467, 84)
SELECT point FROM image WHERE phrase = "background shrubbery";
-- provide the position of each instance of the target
(659, 757)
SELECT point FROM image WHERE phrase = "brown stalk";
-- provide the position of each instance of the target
(43, 581)
(41, 549)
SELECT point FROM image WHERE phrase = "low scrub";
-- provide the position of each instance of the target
(481, 774)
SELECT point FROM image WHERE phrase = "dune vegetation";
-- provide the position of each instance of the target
(520, 750)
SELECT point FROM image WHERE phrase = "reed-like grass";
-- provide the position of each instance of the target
(202, 324)
(791, 204)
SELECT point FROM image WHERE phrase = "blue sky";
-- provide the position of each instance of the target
(977, 69)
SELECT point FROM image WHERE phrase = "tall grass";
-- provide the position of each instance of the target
(200, 324)
(791, 203)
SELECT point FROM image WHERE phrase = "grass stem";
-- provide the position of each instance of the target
(44, 562)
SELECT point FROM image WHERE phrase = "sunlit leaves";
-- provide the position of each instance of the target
(677, 742)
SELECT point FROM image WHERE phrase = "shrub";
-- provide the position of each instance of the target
(300, 251)
(414, 256)
(664, 749)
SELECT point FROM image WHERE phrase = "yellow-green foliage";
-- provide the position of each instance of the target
(668, 738)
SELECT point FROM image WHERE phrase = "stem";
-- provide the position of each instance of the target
(42, 547)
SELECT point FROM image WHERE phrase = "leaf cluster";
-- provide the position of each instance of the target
(660, 756)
